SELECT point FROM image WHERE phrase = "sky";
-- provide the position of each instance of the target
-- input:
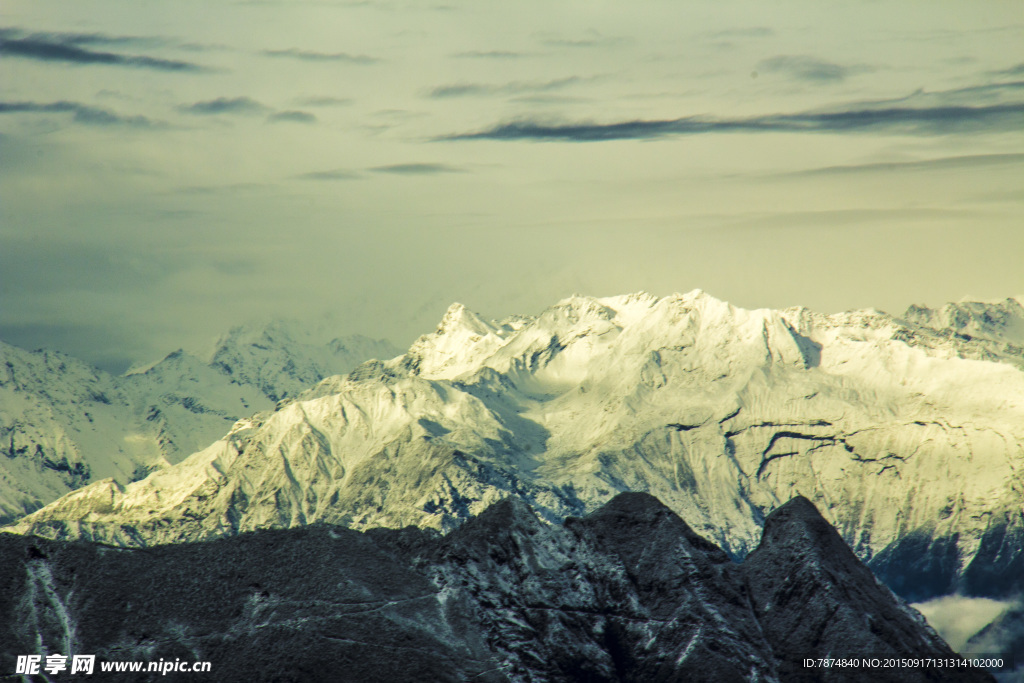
(169, 170)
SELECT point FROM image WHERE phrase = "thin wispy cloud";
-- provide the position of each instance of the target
(968, 95)
(67, 48)
(931, 117)
(96, 38)
(335, 174)
(1017, 70)
(939, 164)
(224, 105)
(292, 116)
(591, 39)
(489, 54)
(312, 56)
(807, 68)
(513, 88)
(325, 101)
(225, 189)
(750, 32)
(416, 169)
(81, 113)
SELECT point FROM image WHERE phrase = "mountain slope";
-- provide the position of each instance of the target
(627, 593)
(908, 438)
(64, 423)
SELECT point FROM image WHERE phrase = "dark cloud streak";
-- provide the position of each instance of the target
(60, 47)
(292, 116)
(513, 88)
(82, 113)
(224, 105)
(807, 68)
(906, 120)
(311, 56)
(336, 174)
(416, 169)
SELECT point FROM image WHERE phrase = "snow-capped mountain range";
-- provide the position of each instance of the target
(906, 432)
(64, 423)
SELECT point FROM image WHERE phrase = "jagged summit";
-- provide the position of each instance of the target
(797, 530)
(797, 518)
(808, 587)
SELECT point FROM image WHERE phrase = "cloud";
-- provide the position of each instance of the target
(82, 113)
(968, 95)
(72, 38)
(336, 174)
(751, 32)
(66, 47)
(807, 68)
(416, 169)
(1017, 70)
(310, 56)
(892, 116)
(108, 347)
(225, 105)
(325, 101)
(292, 116)
(45, 268)
(513, 88)
(489, 54)
(957, 618)
(591, 40)
(229, 188)
(942, 163)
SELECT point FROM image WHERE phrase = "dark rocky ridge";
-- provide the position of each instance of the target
(628, 593)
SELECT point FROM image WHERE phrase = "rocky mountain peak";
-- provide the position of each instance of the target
(503, 599)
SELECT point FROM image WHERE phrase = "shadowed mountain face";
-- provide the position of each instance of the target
(627, 593)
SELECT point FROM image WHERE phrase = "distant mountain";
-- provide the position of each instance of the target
(282, 359)
(1001, 322)
(908, 436)
(627, 593)
(64, 423)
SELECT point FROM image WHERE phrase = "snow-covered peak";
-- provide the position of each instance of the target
(64, 423)
(460, 343)
(269, 333)
(459, 319)
(283, 358)
(1001, 321)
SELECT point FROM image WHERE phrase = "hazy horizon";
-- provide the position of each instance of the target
(169, 172)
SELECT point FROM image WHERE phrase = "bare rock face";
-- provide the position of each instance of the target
(627, 593)
(814, 598)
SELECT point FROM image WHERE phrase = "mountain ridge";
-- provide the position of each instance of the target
(721, 412)
(65, 423)
(628, 592)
